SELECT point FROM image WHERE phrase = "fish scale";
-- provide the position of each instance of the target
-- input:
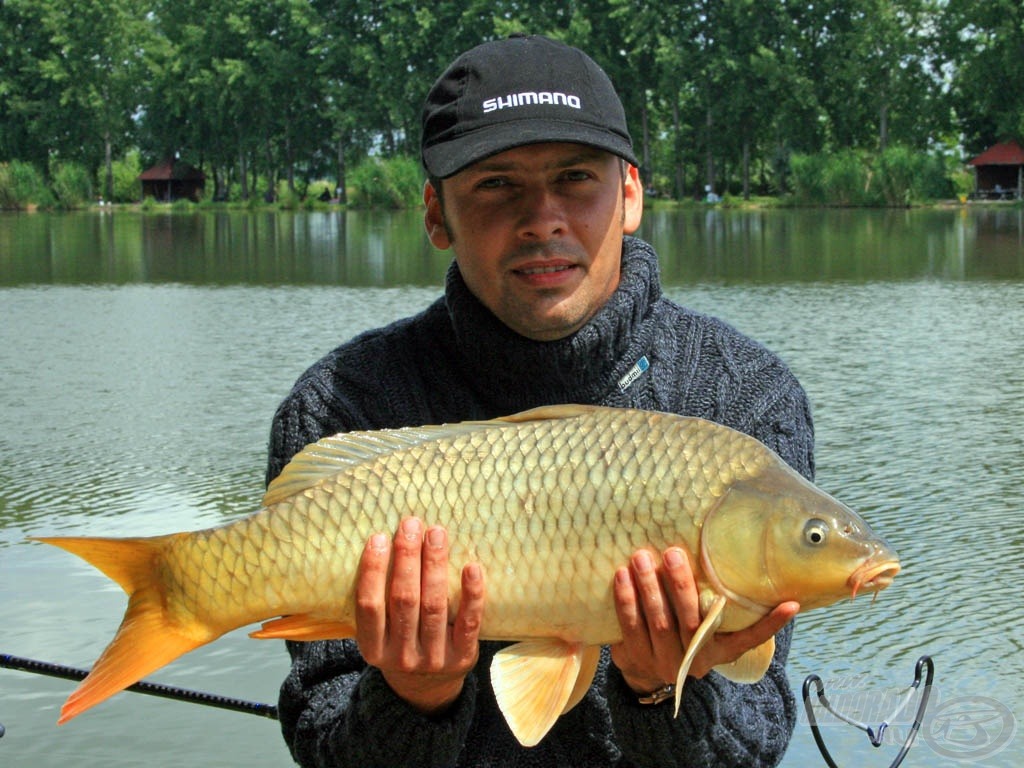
(532, 519)
(549, 502)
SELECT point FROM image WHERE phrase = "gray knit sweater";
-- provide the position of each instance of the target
(456, 361)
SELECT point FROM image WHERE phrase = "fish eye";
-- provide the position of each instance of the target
(815, 532)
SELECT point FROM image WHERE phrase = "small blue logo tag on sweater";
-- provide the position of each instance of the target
(634, 373)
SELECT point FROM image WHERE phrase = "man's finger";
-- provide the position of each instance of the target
(656, 608)
(404, 594)
(469, 616)
(732, 645)
(627, 608)
(682, 592)
(371, 596)
(433, 619)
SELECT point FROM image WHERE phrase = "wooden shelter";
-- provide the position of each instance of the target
(172, 180)
(999, 172)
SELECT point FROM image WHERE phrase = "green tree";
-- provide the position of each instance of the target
(237, 87)
(26, 99)
(94, 66)
(752, 78)
(984, 45)
(718, 92)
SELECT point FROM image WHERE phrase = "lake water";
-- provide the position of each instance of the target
(141, 357)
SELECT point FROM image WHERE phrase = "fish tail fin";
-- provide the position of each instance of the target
(147, 639)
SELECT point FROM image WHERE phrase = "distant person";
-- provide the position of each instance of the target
(533, 185)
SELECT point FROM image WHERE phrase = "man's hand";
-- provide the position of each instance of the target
(402, 618)
(659, 611)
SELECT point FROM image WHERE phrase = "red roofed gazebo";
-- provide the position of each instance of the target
(999, 172)
(171, 180)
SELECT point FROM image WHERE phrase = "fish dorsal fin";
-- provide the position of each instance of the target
(535, 681)
(706, 630)
(546, 412)
(331, 455)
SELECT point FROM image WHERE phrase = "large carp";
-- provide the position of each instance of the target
(550, 502)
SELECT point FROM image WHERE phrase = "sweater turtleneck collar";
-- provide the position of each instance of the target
(517, 372)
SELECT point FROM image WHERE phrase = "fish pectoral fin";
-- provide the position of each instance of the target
(751, 666)
(535, 681)
(706, 630)
(305, 627)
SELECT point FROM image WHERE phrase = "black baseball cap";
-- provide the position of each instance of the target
(521, 90)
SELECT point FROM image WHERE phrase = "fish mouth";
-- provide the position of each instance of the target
(873, 576)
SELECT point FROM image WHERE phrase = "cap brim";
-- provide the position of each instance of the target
(448, 158)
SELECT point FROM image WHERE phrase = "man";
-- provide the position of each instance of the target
(534, 186)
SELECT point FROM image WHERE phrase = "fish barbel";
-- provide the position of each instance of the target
(550, 502)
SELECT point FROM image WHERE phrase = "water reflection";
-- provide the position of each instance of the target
(359, 248)
(810, 245)
(373, 248)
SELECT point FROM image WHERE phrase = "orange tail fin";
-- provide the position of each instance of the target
(147, 639)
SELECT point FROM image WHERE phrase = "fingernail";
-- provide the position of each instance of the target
(411, 528)
(673, 558)
(435, 537)
(622, 576)
(378, 542)
(643, 563)
(474, 572)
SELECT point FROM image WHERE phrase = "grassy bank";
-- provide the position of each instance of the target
(895, 178)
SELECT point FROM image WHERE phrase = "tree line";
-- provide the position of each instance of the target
(720, 94)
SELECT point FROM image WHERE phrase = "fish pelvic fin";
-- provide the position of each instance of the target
(147, 639)
(706, 630)
(751, 666)
(304, 627)
(535, 681)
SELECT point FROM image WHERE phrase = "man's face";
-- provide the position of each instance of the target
(537, 232)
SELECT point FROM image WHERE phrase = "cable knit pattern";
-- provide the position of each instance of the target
(455, 361)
